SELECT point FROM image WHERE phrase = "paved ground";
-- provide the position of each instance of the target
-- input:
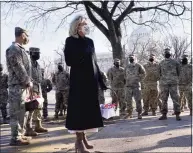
(148, 134)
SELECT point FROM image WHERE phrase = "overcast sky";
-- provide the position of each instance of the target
(49, 40)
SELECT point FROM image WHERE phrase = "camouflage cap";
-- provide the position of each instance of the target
(116, 60)
(34, 49)
(167, 51)
(151, 55)
(131, 56)
(19, 31)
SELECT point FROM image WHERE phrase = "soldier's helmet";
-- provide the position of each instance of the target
(34, 50)
(19, 31)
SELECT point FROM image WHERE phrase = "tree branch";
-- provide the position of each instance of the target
(125, 12)
(99, 25)
(116, 3)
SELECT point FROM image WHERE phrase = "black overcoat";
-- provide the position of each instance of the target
(83, 106)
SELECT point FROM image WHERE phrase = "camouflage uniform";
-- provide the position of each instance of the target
(3, 95)
(101, 92)
(116, 78)
(150, 90)
(62, 83)
(185, 84)
(36, 114)
(46, 86)
(134, 73)
(169, 75)
(18, 65)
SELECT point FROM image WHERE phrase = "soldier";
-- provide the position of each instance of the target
(3, 94)
(116, 77)
(101, 92)
(46, 86)
(169, 70)
(150, 86)
(37, 78)
(18, 65)
(62, 82)
(134, 74)
(185, 82)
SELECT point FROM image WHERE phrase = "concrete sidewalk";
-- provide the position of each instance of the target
(146, 135)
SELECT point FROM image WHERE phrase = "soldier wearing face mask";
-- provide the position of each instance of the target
(169, 71)
(150, 91)
(37, 79)
(62, 81)
(134, 74)
(116, 78)
(185, 82)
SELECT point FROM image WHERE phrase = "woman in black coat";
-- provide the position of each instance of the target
(83, 113)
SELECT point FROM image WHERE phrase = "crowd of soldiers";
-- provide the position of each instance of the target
(24, 72)
(152, 82)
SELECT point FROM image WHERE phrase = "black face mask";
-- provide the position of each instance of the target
(60, 68)
(167, 55)
(35, 57)
(117, 64)
(131, 60)
(184, 61)
(151, 59)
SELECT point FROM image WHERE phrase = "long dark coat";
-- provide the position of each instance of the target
(83, 106)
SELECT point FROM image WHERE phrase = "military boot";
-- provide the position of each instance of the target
(56, 115)
(30, 132)
(61, 113)
(139, 116)
(178, 117)
(163, 117)
(129, 115)
(153, 113)
(20, 142)
(39, 128)
(145, 113)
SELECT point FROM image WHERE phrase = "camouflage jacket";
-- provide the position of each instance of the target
(36, 75)
(134, 74)
(185, 77)
(3, 82)
(46, 85)
(105, 78)
(116, 77)
(152, 74)
(18, 65)
(61, 80)
(169, 71)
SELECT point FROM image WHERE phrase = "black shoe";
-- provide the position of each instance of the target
(144, 113)
(163, 117)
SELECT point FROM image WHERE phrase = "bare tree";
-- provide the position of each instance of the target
(181, 45)
(107, 16)
(46, 64)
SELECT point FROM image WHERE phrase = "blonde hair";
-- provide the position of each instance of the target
(74, 25)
